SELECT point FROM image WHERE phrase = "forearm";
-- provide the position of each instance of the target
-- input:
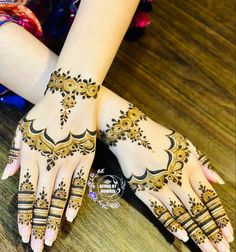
(95, 36)
(26, 66)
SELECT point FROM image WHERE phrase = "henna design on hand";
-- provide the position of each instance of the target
(58, 202)
(165, 218)
(40, 214)
(70, 87)
(213, 203)
(184, 218)
(204, 160)
(77, 189)
(40, 141)
(13, 152)
(126, 127)
(26, 196)
(178, 153)
(205, 221)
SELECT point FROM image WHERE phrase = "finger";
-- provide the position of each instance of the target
(206, 166)
(182, 216)
(209, 197)
(41, 208)
(13, 162)
(163, 215)
(58, 202)
(78, 187)
(26, 196)
(203, 218)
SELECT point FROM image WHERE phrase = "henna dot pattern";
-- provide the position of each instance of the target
(165, 218)
(155, 180)
(69, 88)
(214, 205)
(126, 127)
(26, 196)
(40, 141)
(58, 202)
(77, 189)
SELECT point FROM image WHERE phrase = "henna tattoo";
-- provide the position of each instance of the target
(203, 159)
(70, 87)
(205, 221)
(126, 127)
(165, 218)
(214, 205)
(77, 190)
(178, 153)
(26, 197)
(40, 214)
(184, 218)
(40, 141)
(58, 202)
(13, 152)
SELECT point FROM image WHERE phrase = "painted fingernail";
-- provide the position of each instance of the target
(25, 239)
(50, 237)
(218, 178)
(182, 234)
(48, 242)
(228, 234)
(70, 214)
(38, 245)
(5, 175)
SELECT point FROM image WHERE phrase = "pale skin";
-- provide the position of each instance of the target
(42, 62)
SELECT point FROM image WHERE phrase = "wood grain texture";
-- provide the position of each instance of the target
(182, 74)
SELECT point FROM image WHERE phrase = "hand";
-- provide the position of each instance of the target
(56, 141)
(165, 171)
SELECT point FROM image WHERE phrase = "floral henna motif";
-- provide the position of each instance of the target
(205, 221)
(58, 202)
(184, 218)
(214, 205)
(70, 87)
(26, 196)
(40, 141)
(165, 218)
(126, 127)
(178, 153)
(40, 213)
(77, 189)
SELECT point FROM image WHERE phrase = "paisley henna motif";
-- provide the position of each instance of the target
(26, 196)
(126, 127)
(40, 141)
(77, 189)
(70, 88)
(178, 153)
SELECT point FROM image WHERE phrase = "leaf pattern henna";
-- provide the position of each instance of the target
(40, 214)
(26, 196)
(214, 205)
(178, 153)
(126, 126)
(77, 189)
(70, 87)
(40, 141)
(165, 218)
(58, 202)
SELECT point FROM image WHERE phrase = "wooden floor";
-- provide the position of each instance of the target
(182, 74)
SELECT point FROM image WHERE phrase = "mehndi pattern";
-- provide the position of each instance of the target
(165, 218)
(58, 202)
(40, 214)
(77, 190)
(13, 152)
(186, 221)
(178, 153)
(126, 127)
(203, 159)
(70, 87)
(26, 196)
(214, 205)
(40, 141)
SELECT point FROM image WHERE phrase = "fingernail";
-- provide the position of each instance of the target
(25, 239)
(218, 178)
(5, 175)
(69, 219)
(208, 247)
(182, 234)
(70, 214)
(38, 245)
(230, 228)
(228, 234)
(48, 242)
